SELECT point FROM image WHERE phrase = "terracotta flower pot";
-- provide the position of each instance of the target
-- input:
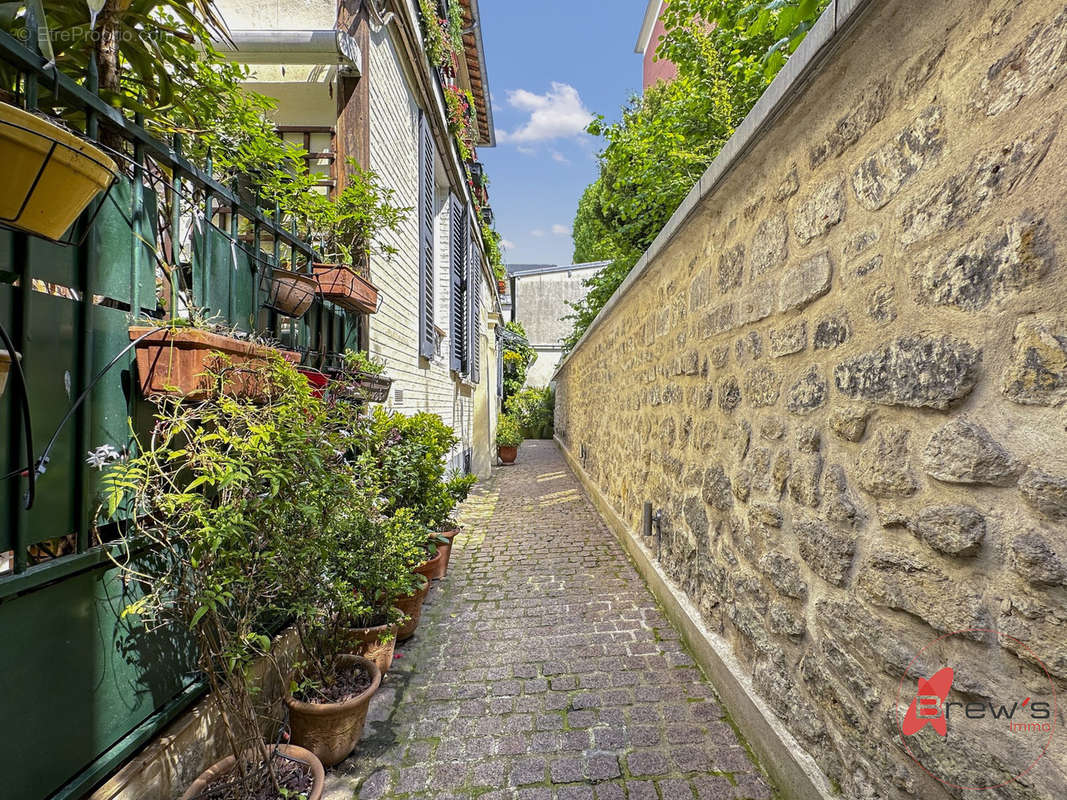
(434, 567)
(175, 361)
(332, 730)
(50, 175)
(411, 606)
(507, 455)
(291, 293)
(446, 549)
(340, 285)
(376, 643)
(224, 767)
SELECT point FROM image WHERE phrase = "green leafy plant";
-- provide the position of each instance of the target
(358, 361)
(508, 433)
(726, 52)
(517, 356)
(409, 452)
(349, 228)
(534, 409)
(219, 497)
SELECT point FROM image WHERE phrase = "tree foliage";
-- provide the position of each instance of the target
(517, 356)
(726, 52)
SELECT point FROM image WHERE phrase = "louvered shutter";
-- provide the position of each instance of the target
(426, 239)
(499, 364)
(474, 292)
(458, 242)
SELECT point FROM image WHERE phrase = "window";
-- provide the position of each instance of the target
(427, 334)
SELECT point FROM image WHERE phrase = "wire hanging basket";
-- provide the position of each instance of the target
(289, 293)
(49, 177)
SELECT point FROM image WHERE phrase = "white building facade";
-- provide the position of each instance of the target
(539, 298)
(353, 81)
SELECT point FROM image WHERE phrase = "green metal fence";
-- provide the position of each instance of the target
(82, 687)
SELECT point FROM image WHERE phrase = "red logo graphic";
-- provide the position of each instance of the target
(1025, 723)
(928, 707)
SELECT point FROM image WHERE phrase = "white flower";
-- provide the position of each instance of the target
(102, 456)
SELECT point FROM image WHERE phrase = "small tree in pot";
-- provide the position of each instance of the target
(508, 438)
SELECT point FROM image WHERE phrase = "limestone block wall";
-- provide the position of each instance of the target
(843, 380)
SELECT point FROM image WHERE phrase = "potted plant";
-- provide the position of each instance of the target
(379, 572)
(290, 293)
(192, 361)
(362, 377)
(508, 439)
(50, 175)
(350, 230)
(442, 501)
(330, 688)
(209, 502)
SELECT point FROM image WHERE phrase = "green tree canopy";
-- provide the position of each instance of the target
(726, 52)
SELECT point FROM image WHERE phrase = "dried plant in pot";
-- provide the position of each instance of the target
(196, 360)
(360, 377)
(212, 499)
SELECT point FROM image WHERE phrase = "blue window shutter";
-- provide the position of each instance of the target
(458, 241)
(474, 286)
(426, 239)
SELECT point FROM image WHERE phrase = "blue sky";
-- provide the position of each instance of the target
(551, 64)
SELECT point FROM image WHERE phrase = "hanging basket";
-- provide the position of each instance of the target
(178, 361)
(290, 293)
(372, 388)
(49, 175)
(342, 286)
(5, 369)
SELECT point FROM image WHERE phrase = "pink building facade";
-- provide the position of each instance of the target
(647, 41)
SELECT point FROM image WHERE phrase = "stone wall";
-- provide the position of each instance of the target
(843, 379)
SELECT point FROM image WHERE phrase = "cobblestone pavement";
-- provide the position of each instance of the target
(542, 669)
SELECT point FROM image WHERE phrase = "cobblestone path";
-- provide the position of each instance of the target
(542, 669)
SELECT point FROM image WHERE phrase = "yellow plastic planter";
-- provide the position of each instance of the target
(68, 172)
(5, 368)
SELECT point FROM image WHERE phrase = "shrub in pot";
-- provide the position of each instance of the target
(409, 453)
(380, 573)
(361, 378)
(349, 231)
(213, 497)
(508, 438)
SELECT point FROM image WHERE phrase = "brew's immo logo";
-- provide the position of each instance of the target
(1003, 737)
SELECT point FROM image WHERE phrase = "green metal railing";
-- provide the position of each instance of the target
(83, 687)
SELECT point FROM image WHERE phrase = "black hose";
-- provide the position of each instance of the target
(42, 462)
(31, 491)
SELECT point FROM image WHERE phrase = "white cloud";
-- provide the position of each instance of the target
(557, 114)
(507, 244)
(526, 151)
(558, 156)
(537, 233)
(561, 230)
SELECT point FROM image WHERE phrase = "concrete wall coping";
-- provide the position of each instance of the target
(788, 85)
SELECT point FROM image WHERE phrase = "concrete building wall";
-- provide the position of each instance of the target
(541, 305)
(841, 374)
